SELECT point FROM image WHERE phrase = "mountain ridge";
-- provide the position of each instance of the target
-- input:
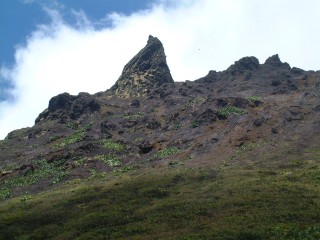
(221, 151)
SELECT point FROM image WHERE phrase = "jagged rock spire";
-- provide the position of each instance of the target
(148, 69)
(275, 62)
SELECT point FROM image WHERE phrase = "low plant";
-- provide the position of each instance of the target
(228, 110)
(79, 162)
(77, 136)
(194, 124)
(5, 193)
(254, 98)
(42, 170)
(168, 152)
(137, 140)
(113, 146)
(194, 101)
(25, 198)
(172, 163)
(175, 127)
(72, 125)
(110, 159)
(54, 138)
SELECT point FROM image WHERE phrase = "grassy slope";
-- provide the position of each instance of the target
(226, 202)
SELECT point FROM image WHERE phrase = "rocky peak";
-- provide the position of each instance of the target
(244, 64)
(274, 61)
(148, 69)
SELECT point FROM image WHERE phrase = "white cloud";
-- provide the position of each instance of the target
(198, 35)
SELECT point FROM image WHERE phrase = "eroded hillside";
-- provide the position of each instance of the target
(248, 114)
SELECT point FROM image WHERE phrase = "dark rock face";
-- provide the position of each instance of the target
(64, 106)
(212, 76)
(274, 61)
(244, 64)
(84, 102)
(147, 70)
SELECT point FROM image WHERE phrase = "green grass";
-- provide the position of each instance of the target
(175, 127)
(167, 152)
(113, 146)
(209, 203)
(226, 111)
(43, 170)
(110, 159)
(254, 98)
(194, 124)
(72, 125)
(77, 136)
(195, 101)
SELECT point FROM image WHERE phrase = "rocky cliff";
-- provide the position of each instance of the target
(148, 120)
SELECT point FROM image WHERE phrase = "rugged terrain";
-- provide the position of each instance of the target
(232, 155)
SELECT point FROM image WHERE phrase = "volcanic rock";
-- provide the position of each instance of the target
(147, 70)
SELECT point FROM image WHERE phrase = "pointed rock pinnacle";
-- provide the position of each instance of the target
(148, 69)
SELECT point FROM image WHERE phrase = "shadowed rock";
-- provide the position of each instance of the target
(244, 64)
(274, 61)
(147, 70)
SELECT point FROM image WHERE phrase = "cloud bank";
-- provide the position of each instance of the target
(198, 35)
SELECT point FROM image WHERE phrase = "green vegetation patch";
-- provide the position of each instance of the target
(110, 159)
(5, 193)
(54, 138)
(185, 204)
(168, 152)
(77, 136)
(226, 111)
(195, 101)
(175, 127)
(113, 146)
(42, 170)
(254, 98)
(72, 125)
(194, 124)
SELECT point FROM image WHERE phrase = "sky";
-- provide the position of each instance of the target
(49, 47)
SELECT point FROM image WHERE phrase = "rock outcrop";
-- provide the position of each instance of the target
(147, 70)
(146, 119)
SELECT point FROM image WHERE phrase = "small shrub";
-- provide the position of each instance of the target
(25, 198)
(5, 193)
(78, 136)
(226, 111)
(54, 138)
(79, 162)
(93, 172)
(254, 98)
(42, 171)
(168, 152)
(110, 159)
(137, 140)
(175, 127)
(194, 124)
(72, 125)
(113, 146)
(172, 163)
(194, 101)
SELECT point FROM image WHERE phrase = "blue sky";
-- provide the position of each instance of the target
(52, 46)
(19, 17)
